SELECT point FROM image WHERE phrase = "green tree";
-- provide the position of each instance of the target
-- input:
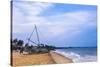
(20, 43)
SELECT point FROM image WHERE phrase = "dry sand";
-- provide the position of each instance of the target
(38, 59)
(34, 59)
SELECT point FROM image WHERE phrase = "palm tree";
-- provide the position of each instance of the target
(20, 43)
(14, 44)
(15, 41)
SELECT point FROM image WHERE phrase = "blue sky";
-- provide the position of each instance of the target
(58, 24)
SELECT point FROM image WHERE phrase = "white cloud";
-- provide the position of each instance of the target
(32, 8)
(71, 23)
(25, 14)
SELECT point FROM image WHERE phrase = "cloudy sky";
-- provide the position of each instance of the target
(58, 24)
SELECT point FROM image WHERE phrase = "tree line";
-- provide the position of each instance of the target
(18, 45)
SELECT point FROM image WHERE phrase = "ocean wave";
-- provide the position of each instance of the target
(78, 58)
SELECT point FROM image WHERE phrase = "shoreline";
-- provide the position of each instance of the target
(60, 59)
(39, 59)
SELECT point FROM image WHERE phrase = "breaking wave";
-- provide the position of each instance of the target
(78, 58)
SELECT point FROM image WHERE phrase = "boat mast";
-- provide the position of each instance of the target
(30, 36)
(29, 39)
(37, 35)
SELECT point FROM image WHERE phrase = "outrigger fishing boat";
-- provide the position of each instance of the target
(35, 47)
(39, 47)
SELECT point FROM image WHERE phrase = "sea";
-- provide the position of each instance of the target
(79, 54)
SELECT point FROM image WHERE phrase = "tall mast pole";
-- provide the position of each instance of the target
(37, 36)
(30, 35)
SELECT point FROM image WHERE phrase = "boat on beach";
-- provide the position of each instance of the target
(37, 54)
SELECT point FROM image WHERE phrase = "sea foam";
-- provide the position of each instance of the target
(76, 57)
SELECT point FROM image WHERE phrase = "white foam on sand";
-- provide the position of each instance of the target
(78, 58)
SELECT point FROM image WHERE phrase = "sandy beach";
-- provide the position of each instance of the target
(38, 59)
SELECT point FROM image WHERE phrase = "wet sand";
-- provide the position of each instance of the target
(60, 59)
(38, 59)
